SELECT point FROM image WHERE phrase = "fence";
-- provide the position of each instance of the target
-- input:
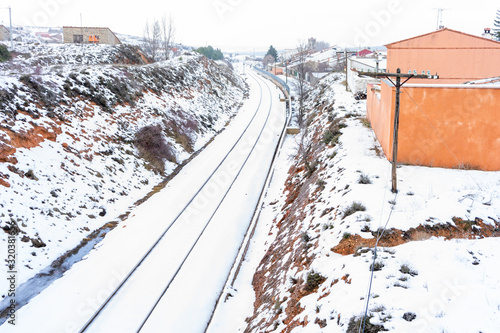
(274, 77)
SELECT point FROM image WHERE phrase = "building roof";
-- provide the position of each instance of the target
(364, 52)
(445, 38)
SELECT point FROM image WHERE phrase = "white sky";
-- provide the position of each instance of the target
(245, 25)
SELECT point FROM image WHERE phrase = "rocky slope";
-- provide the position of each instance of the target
(87, 131)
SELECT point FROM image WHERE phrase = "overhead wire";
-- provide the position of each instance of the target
(381, 231)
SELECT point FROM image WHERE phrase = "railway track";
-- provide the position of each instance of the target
(127, 308)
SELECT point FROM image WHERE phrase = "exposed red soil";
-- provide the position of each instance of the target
(301, 192)
(392, 237)
(29, 139)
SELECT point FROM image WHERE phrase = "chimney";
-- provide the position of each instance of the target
(487, 33)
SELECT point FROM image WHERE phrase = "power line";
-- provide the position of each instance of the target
(380, 233)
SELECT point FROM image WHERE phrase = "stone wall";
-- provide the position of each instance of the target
(106, 36)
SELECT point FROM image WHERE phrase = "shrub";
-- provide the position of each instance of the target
(327, 137)
(356, 324)
(409, 316)
(4, 53)
(31, 175)
(366, 228)
(353, 208)
(179, 132)
(328, 226)
(153, 148)
(406, 269)
(321, 184)
(346, 235)
(364, 179)
(313, 281)
(400, 285)
(377, 266)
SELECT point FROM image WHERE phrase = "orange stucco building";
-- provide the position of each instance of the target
(444, 122)
(456, 56)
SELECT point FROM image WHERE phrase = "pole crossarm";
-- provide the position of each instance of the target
(409, 76)
(398, 86)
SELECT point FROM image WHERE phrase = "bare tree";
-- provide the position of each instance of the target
(268, 59)
(307, 150)
(168, 34)
(321, 45)
(302, 70)
(152, 38)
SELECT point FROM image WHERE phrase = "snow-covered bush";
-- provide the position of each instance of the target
(153, 148)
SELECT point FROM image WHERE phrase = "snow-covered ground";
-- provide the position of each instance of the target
(69, 164)
(75, 296)
(308, 268)
(308, 264)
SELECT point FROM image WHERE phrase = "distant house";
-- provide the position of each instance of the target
(89, 35)
(276, 70)
(374, 63)
(364, 53)
(452, 122)
(4, 33)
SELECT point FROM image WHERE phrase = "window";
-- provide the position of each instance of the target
(94, 39)
(77, 38)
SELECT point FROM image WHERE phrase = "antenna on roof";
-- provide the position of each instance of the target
(439, 24)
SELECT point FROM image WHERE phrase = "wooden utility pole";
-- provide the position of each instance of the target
(398, 86)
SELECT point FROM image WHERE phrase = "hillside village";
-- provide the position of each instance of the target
(89, 132)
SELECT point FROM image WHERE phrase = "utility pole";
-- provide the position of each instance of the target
(346, 71)
(398, 86)
(81, 26)
(286, 71)
(11, 32)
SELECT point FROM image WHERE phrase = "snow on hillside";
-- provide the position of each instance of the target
(436, 266)
(87, 131)
(37, 58)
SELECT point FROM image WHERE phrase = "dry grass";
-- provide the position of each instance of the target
(420, 235)
(365, 122)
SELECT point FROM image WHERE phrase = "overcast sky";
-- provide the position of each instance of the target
(245, 25)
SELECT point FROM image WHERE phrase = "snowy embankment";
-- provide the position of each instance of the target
(435, 268)
(79, 133)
